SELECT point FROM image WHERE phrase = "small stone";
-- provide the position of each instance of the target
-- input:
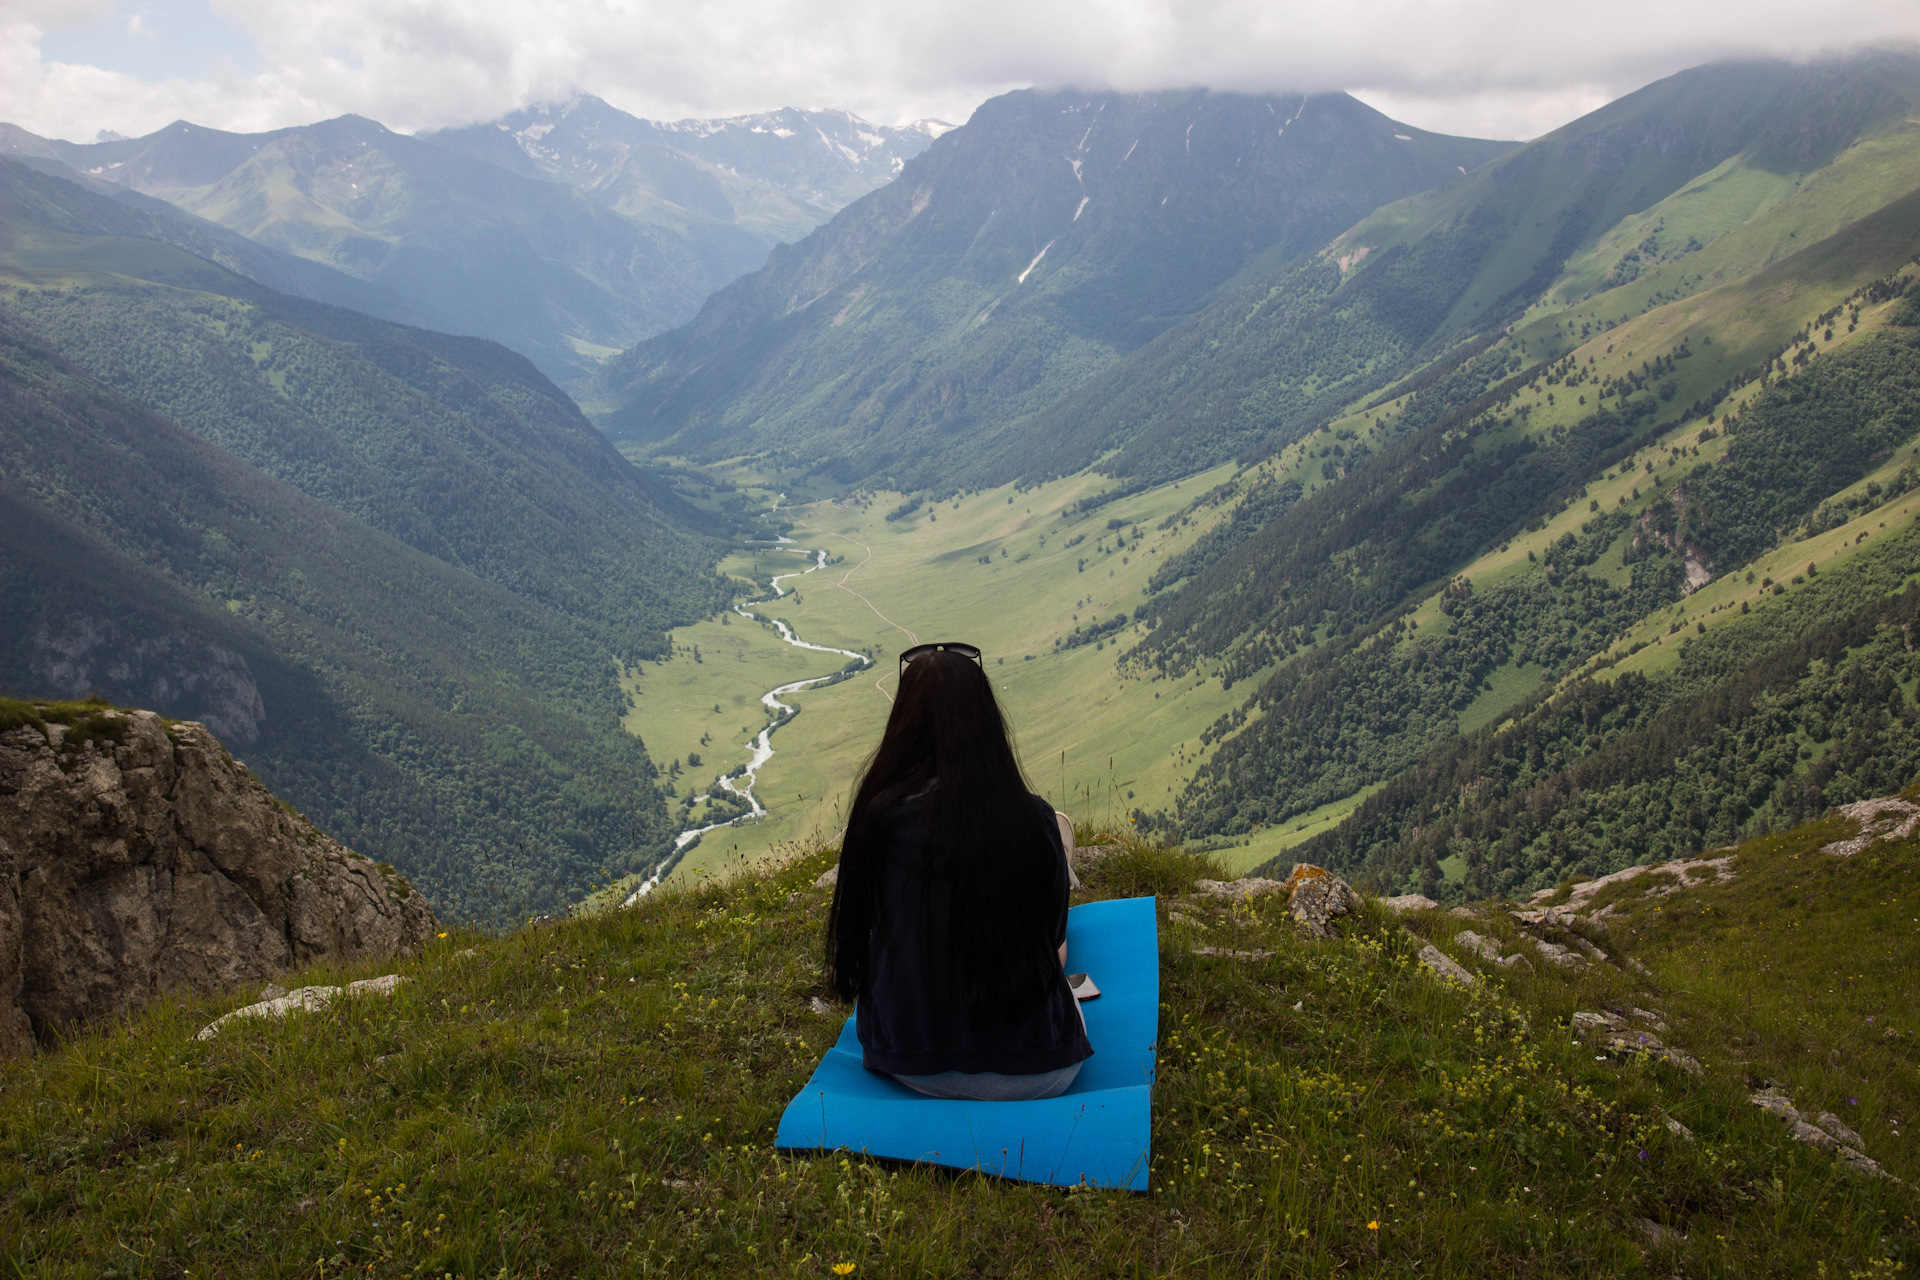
(1558, 955)
(828, 878)
(1593, 953)
(1438, 961)
(1650, 1018)
(303, 999)
(1485, 948)
(1515, 960)
(818, 1005)
(1837, 1127)
(1814, 1137)
(1675, 1058)
(1409, 902)
(1586, 1020)
(1679, 1130)
(1658, 1235)
(1859, 1162)
(272, 991)
(1222, 953)
(1629, 1041)
(1463, 913)
(1298, 1005)
(1776, 1103)
(1174, 917)
(1239, 890)
(1638, 970)
(1086, 855)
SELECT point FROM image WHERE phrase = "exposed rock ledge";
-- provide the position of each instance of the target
(146, 859)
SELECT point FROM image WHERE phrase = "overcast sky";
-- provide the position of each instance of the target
(1495, 68)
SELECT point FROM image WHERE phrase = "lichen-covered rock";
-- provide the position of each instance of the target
(1315, 896)
(1409, 902)
(139, 857)
(303, 1000)
(1834, 1125)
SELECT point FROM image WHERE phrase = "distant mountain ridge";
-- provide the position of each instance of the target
(1465, 259)
(566, 246)
(777, 174)
(1019, 256)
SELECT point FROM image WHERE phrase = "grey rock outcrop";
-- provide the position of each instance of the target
(1888, 818)
(1828, 1133)
(137, 857)
(1445, 966)
(1315, 896)
(303, 1000)
(1239, 890)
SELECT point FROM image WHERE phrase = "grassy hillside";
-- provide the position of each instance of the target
(396, 570)
(599, 1097)
(1438, 270)
(43, 210)
(1570, 501)
(1017, 258)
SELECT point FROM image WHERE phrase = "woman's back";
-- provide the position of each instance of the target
(951, 903)
(917, 1015)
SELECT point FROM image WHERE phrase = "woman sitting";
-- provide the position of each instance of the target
(949, 918)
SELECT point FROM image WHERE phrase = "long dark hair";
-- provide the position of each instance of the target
(984, 832)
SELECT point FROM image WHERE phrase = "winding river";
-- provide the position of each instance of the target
(761, 747)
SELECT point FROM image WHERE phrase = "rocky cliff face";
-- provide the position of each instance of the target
(138, 857)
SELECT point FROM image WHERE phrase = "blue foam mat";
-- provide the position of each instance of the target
(1096, 1134)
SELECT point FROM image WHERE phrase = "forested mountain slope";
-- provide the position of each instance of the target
(1019, 256)
(397, 569)
(776, 175)
(1512, 435)
(1720, 144)
(533, 264)
(1531, 530)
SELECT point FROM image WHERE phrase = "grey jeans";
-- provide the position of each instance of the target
(992, 1086)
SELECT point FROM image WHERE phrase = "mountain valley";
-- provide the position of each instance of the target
(1522, 537)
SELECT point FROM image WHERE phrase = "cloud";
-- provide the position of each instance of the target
(1494, 67)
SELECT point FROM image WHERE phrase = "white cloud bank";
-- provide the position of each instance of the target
(1511, 68)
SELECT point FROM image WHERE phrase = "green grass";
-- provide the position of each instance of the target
(598, 1097)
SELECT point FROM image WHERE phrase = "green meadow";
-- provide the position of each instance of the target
(1013, 571)
(599, 1096)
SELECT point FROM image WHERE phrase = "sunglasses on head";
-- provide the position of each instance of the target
(949, 646)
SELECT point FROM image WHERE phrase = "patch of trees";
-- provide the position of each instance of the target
(1767, 720)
